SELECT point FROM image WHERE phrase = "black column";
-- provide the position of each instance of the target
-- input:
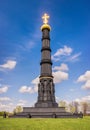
(46, 64)
(46, 91)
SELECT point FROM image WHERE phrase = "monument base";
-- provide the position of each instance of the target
(33, 112)
(46, 104)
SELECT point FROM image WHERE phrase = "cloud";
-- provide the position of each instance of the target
(4, 89)
(21, 103)
(85, 78)
(86, 98)
(74, 57)
(5, 99)
(59, 76)
(10, 64)
(65, 54)
(35, 81)
(57, 99)
(25, 89)
(7, 107)
(28, 89)
(62, 67)
(83, 99)
(63, 51)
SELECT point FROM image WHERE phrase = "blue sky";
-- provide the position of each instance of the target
(20, 44)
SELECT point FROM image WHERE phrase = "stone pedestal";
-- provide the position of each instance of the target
(32, 112)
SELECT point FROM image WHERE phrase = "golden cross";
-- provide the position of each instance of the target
(45, 18)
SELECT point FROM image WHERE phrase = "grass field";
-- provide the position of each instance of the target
(45, 124)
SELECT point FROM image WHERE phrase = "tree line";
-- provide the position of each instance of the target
(76, 107)
(73, 107)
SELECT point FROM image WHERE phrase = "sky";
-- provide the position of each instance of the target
(20, 45)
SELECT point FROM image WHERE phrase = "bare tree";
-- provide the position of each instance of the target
(72, 107)
(76, 104)
(18, 109)
(63, 104)
(84, 107)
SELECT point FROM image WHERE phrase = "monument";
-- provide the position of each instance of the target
(46, 90)
(46, 106)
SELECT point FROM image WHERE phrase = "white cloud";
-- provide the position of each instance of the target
(5, 99)
(86, 98)
(86, 85)
(7, 107)
(62, 67)
(26, 89)
(3, 89)
(63, 51)
(21, 103)
(35, 88)
(57, 99)
(10, 64)
(78, 100)
(83, 99)
(59, 76)
(65, 54)
(30, 89)
(86, 79)
(74, 57)
(35, 81)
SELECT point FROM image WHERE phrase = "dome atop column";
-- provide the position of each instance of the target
(45, 25)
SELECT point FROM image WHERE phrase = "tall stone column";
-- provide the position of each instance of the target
(46, 90)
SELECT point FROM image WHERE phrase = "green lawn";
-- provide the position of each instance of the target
(45, 124)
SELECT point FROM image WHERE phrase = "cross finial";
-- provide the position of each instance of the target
(45, 18)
